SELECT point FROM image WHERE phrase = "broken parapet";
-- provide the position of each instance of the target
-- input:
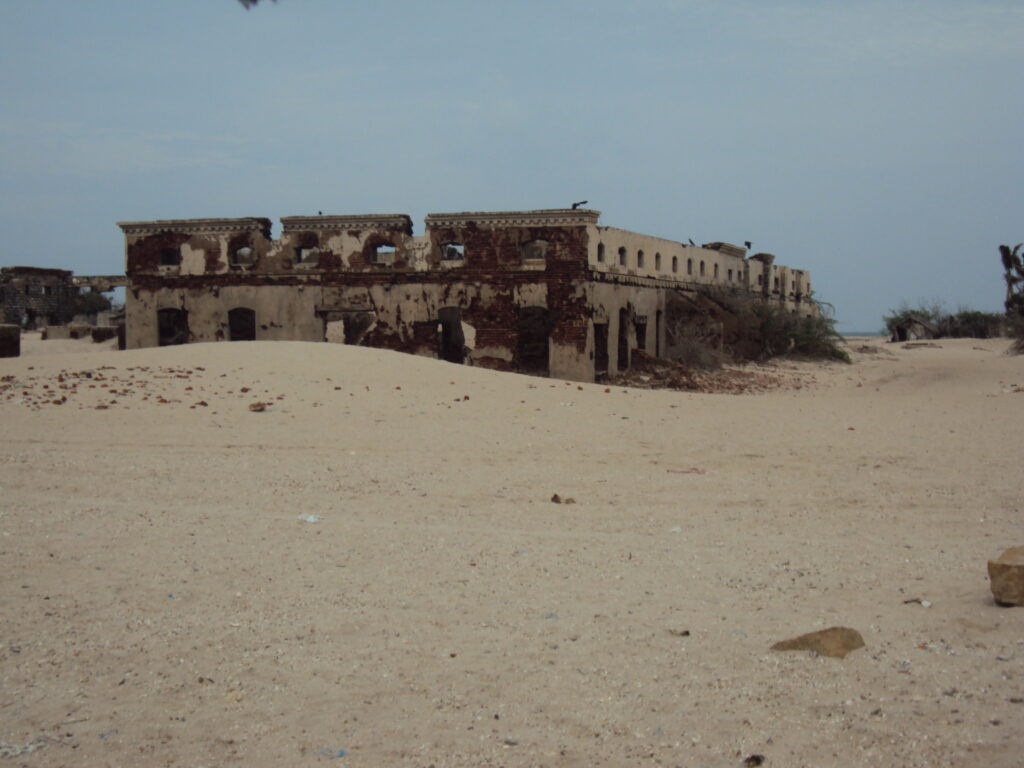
(10, 341)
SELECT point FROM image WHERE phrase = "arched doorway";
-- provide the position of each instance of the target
(172, 327)
(534, 330)
(242, 324)
(451, 340)
(623, 358)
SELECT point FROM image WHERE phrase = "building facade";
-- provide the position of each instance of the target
(546, 291)
(34, 297)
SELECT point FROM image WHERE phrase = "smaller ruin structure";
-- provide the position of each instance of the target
(549, 291)
(35, 297)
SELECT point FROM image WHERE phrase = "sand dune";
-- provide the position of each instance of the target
(164, 604)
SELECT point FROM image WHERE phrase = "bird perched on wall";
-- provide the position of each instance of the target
(320, 213)
(748, 244)
(691, 241)
(577, 205)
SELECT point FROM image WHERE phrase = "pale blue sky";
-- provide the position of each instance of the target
(878, 144)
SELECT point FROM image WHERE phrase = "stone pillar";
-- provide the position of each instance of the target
(10, 341)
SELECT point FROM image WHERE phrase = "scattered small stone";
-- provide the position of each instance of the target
(679, 632)
(257, 407)
(559, 500)
(751, 760)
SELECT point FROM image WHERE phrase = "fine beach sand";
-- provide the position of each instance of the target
(163, 604)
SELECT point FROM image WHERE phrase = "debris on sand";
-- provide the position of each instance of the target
(1006, 574)
(834, 641)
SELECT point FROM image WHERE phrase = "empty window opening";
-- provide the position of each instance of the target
(384, 254)
(600, 253)
(760, 279)
(47, 290)
(307, 255)
(775, 284)
(730, 275)
(622, 257)
(623, 358)
(242, 257)
(675, 264)
(702, 269)
(242, 324)
(657, 261)
(716, 271)
(453, 252)
(600, 350)
(534, 250)
(172, 327)
(534, 330)
(451, 340)
(640, 259)
(170, 257)
(640, 327)
(689, 266)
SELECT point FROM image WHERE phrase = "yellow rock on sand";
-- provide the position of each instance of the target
(1006, 574)
(834, 641)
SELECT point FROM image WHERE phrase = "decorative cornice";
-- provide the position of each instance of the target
(551, 217)
(388, 221)
(193, 226)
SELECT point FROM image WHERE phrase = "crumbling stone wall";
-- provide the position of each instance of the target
(537, 291)
(33, 297)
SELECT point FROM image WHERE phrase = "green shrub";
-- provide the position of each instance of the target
(767, 329)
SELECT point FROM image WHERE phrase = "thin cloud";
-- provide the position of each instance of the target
(49, 148)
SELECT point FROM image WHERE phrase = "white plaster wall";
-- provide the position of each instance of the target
(613, 239)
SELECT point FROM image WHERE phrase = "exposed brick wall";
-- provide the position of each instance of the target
(33, 296)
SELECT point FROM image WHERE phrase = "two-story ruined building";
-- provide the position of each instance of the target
(546, 291)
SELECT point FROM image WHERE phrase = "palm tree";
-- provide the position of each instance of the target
(1013, 267)
(1014, 274)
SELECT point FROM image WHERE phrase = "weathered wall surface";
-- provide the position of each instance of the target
(514, 287)
(34, 297)
(620, 252)
(10, 340)
(537, 291)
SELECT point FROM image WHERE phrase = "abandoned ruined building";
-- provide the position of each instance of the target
(34, 297)
(546, 291)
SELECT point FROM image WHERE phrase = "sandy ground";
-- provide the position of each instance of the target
(163, 604)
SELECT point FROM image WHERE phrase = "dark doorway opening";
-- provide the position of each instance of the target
(534, 329)
(356, 326)
(600, 350)
(657, 333)
(242, 324)
(172, 327)
(640, 326)
(451, 341)
(623, 339)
